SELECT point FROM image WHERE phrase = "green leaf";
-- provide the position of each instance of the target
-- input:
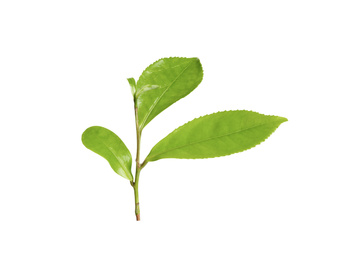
(132, 83)
(163, 83)
(107, 144)
(218, 134)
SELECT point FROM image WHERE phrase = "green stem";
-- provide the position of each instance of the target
(135, 188)
(138, 167)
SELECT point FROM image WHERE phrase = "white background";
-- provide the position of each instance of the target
(63, 68)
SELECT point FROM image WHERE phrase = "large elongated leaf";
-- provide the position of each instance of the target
(107, 144)
(163, 83)
(218, 134)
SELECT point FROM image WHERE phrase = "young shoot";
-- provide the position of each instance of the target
(161, 85)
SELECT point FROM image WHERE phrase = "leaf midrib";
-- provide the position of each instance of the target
(211, 138)
(161, 96)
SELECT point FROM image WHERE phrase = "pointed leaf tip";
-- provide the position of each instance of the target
(108, 145)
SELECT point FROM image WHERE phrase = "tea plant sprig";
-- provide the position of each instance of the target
(160, 85)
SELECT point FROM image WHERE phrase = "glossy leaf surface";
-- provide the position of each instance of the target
(107, 144)
(218, 134)
(163, 83)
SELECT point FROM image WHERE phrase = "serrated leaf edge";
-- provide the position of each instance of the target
(172, 57)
